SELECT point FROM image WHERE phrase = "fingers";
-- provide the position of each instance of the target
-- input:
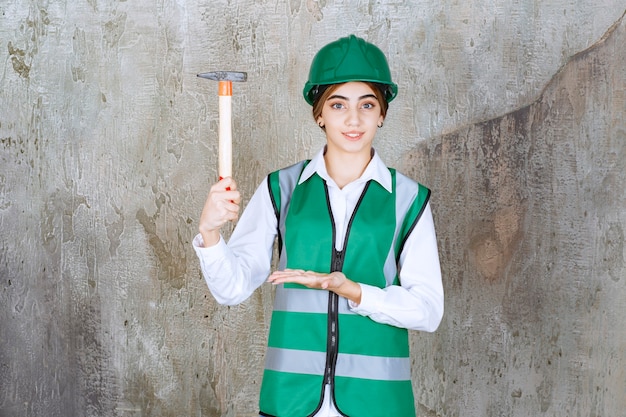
(221, 205)
(336, 282)
(309, 279)
(288, 275)
(227, 183)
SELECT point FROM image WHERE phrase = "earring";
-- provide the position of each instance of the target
(380, 124)
(320, 124)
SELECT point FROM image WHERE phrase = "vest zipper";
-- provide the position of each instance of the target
(331, 356)
(336, 264)
(333, 323)
(332, 343)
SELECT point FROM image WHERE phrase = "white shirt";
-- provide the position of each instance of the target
(235, 270)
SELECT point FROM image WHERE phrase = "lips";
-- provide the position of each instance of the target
(353, 135)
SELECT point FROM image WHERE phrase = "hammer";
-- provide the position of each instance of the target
(225, 93)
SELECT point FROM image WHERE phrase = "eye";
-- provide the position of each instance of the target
(368, 105)
(336, 105)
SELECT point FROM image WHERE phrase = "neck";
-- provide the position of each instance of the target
(345, 168)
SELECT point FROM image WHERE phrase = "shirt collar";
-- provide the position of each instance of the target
(376, 170)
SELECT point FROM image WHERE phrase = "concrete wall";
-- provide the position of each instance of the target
(512, 112)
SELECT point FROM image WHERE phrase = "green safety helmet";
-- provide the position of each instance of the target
(349, 59)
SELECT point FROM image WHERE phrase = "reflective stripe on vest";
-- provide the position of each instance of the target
(367, 363)
(354, 366)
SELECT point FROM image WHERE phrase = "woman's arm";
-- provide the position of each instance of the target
(233, 271)
(417, 303)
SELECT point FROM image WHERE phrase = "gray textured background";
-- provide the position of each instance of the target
(513, 112)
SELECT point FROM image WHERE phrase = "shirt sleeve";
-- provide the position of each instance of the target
(417, 303)
(235, 269)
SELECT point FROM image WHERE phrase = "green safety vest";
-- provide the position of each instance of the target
(314, 338)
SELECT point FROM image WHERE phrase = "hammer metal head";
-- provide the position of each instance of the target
(225, 76)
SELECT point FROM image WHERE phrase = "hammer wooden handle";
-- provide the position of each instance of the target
(225, 146)
(225, 93)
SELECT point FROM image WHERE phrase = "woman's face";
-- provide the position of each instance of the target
(351, 115)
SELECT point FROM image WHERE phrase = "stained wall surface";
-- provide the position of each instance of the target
(511, 111)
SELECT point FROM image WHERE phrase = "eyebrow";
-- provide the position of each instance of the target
(337, 96)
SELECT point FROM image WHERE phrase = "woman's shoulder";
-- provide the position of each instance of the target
(404, 182)
(290, 171)
(297, 167)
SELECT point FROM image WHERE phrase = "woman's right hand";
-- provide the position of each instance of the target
(221, 206)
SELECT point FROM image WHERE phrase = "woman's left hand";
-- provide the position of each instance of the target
(335, 282)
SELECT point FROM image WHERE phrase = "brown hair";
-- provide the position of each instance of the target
(325, 91)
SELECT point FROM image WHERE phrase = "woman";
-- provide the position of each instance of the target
(358, 254)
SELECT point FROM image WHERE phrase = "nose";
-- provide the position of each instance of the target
(353, 117)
